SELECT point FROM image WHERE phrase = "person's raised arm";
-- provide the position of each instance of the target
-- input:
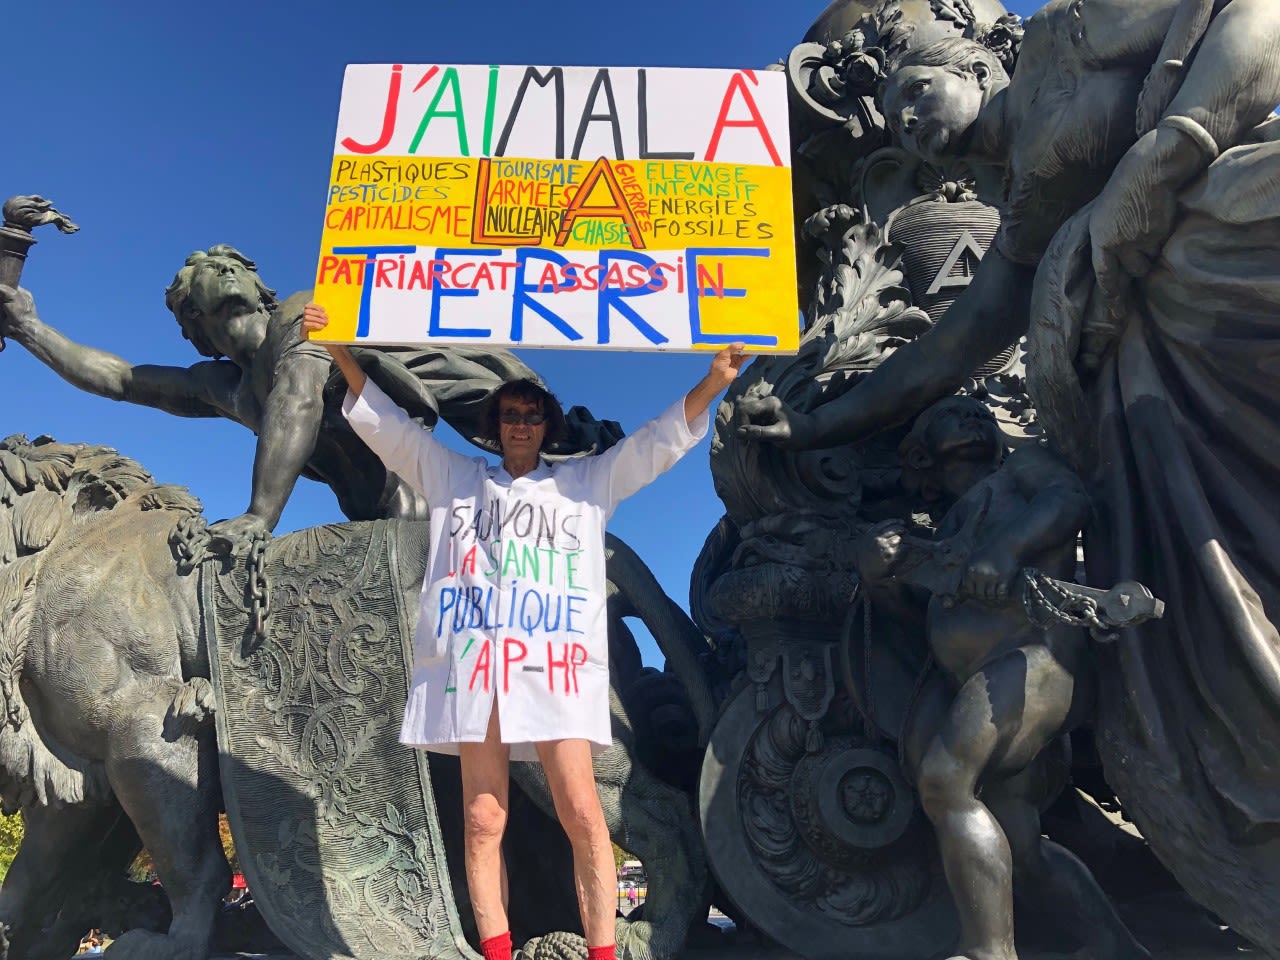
(988, 316)
(637, 460)
(202, 390)
(314, 320)
(404, 446)
(724, 369)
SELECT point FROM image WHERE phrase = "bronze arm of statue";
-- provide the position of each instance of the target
(183, 391)
(229, 316)
(287, 437)
(984, 319)
(1054, 508)
(261, 375)
(1231, 86)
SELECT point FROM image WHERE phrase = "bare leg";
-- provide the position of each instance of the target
(485, 783)
(573, 790)
(1054, 879)
(1000, 720)
(657, 823)
(975, 853)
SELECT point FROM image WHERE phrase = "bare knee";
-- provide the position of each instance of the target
(485, 820)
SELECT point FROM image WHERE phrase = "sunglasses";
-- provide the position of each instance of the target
(512, 417)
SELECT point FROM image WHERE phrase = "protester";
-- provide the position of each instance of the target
(511, 649)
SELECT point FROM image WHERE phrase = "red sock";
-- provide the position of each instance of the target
(499, 947)
(601, 953)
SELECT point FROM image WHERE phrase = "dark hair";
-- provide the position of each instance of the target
(177, 297)
(528, 392)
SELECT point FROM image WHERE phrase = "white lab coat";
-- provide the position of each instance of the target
(513, 602)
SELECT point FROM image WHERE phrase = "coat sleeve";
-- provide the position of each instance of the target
(642, 457)
(405, 447)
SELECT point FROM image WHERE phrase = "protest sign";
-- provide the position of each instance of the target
(572, 207)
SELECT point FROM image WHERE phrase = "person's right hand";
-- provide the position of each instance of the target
(314, 319)
(16, 308)
(768, 418)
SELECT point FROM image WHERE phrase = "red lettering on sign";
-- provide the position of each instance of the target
(738, 85)
(508, 660)
(482, 666)
(388, 118)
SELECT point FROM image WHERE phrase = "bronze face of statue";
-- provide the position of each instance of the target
(933, 105)
(216, 298)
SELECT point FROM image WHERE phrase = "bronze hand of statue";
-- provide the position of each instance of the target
(16, 308)
(992, 571)
(880, 551)
(33, 211)
(768, 418)
(234, 537)
(1134, 215)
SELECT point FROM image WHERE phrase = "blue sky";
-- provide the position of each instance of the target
(163, 128)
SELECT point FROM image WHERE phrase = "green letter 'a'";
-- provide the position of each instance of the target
(450, 81)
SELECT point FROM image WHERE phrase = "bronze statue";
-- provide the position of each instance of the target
(1141, 171)
(1088, 60)
(978, 740)
(252, 344)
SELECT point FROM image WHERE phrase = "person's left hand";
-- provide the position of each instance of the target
(726, 364)
(991, 574)
(235, 536)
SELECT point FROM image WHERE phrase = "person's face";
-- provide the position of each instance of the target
(931, 110)
(219, 282)
(520, 438)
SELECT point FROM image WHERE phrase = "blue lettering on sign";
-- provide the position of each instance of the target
(696, 293)
(570, 610)
(520, 294)
(371, 255)
(438, 265)
(611, 298)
